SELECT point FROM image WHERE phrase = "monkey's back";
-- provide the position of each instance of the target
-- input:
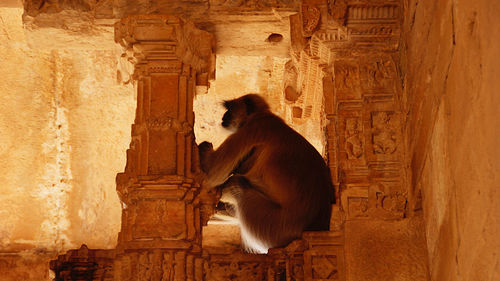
(290, 170)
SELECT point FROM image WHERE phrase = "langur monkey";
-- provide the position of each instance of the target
(276, 182)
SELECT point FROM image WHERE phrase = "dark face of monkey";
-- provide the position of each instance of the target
(238, 110)
(235, 114)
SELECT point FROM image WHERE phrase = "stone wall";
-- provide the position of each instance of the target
(65, 126)
(450, 65)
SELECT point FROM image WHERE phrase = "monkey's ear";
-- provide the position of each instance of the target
(250, 105)
(227, 104)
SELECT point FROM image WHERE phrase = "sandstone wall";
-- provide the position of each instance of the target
(450, 65)
(65, 124)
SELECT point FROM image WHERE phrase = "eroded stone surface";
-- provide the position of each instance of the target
(26, 265)
(386, 250)
(66, 122)
(452, 132)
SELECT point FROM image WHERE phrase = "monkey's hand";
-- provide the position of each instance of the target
(205, 149)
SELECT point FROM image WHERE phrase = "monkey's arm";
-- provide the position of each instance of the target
(222, 162)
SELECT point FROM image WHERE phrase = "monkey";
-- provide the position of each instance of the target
(275, 181)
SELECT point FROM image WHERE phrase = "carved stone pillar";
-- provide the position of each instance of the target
(160, 238)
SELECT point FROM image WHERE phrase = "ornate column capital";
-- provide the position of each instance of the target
(152, 38)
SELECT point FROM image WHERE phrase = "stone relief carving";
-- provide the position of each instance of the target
(236, 271)
(358, 207)
(337, 9)
(324, 267)
(34, 7)
(169, 124)
(387, 202)
(310, 19)
(393, 202)
(378, 74)
(347, 81)
(254, 4)
(379, 30)
(353, 138)
(315, 259)
(384, 126)
(174, 37)
(372, 12)
(324, 260)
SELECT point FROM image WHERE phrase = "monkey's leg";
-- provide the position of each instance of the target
(264, 223)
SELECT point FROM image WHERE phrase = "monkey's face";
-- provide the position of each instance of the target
(234, 116)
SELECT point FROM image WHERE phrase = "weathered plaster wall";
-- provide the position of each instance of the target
(65, 125)
(450, 67)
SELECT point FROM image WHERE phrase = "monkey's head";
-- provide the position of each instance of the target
(238, 110)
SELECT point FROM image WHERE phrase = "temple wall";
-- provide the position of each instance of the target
(67, 109)
(65, 126)
(450, 65)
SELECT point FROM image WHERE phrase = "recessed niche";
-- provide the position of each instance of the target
(291, 94)
(274, 38)
(297, 112)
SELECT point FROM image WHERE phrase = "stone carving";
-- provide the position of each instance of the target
(254, 4)
(353, 138)
(310, 19)
(236, 271)
(374, 201)
(163, 205)
(324, 260)
(159, 218)
(358, 207)
(347, 81)
(378, 74)
(34, 7)
(84, 264)
(394, 203)
(374, 23)
(354, 201)
(324, 267)
(337, 9)
(384, 126)
(169, 124)
(296, 268)
(157, 265)
(387, 201)
(379, 30)
(196, 48)
(366, 13)
(177, 38)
